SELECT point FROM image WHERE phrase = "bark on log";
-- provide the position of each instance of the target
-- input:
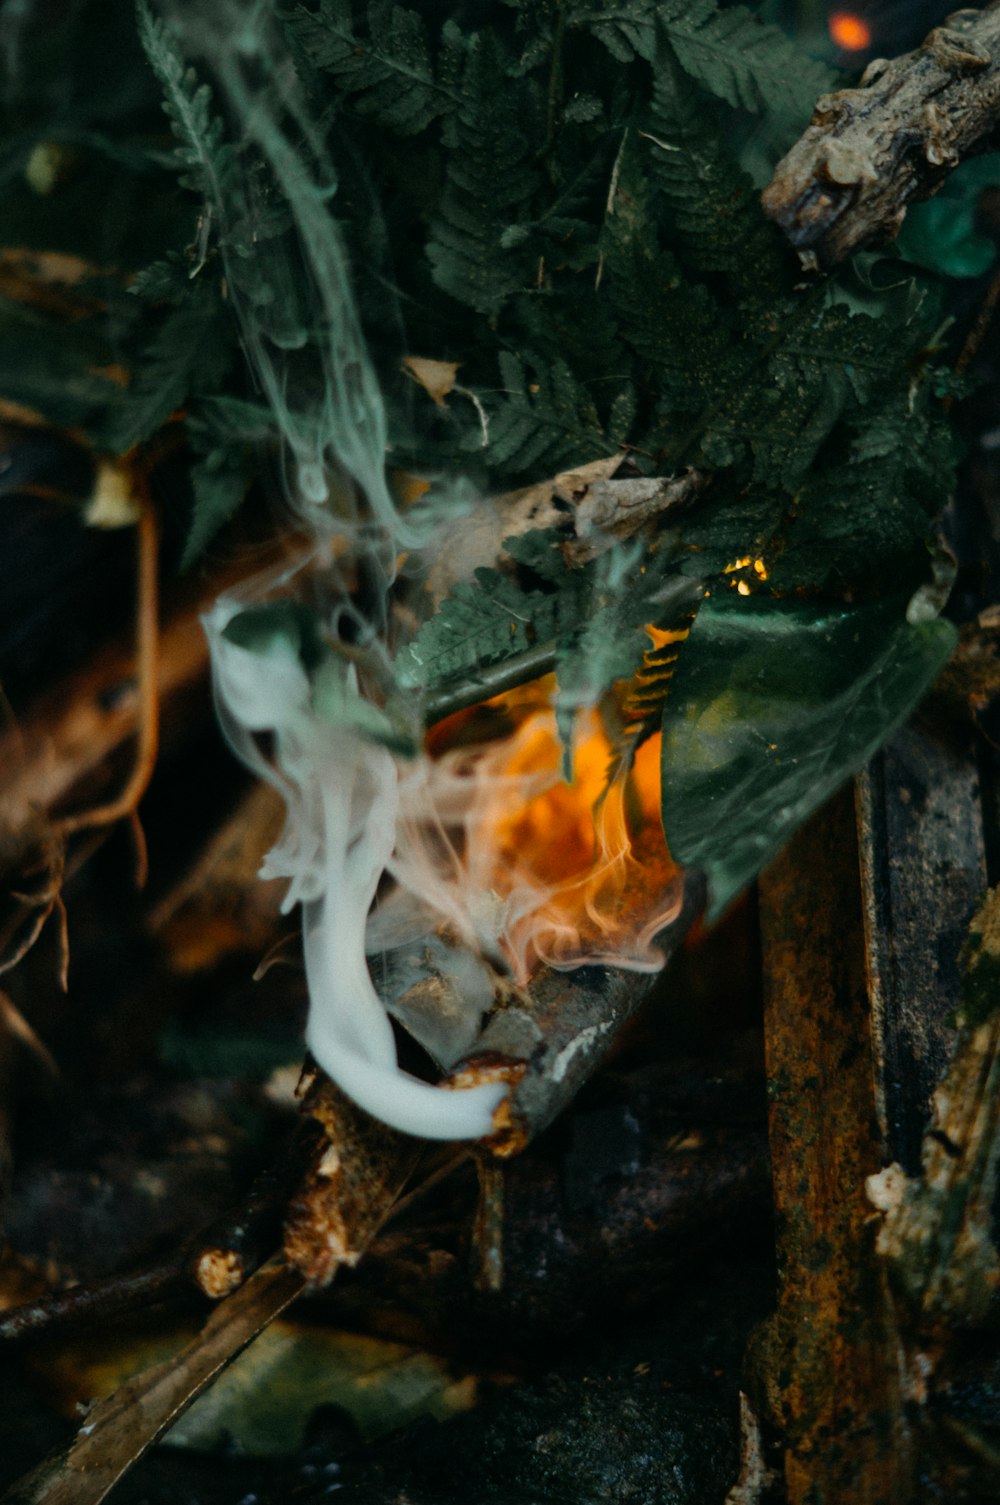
(872, 151)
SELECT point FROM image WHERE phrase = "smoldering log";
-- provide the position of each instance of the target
(873, 150)
(654, 1168)
(550, 1038)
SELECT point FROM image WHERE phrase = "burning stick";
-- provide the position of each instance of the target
(552, 1038)
(872, 151)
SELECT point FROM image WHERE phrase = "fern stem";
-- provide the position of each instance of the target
(494, 679)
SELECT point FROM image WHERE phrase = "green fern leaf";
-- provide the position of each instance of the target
(482, 622)
(546, 422)
(202, 153)
(385, 69)
(489, 183)
(191, 351)
(674, 326)
(714, 209)
(219, 482)
(741, 59)
(627, 30)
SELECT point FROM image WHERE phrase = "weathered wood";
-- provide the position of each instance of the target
(872, 151)
(357, 1173)
(923, 866)
(828, 1365)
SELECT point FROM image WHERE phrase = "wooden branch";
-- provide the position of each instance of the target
(349, 1192)
(872, 151)
(213, 1263)
(357, 1174)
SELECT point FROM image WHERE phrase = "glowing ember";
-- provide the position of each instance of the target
(575, 871)
(849, 31)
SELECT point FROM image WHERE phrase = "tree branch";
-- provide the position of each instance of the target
(872, 151)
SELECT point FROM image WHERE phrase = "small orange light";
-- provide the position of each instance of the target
(849, 31)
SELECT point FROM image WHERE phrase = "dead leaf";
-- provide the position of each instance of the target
(436, 377)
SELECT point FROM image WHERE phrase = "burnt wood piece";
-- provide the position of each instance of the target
(923, 837)
(356, 1174)
(549, 1038)
(872, 151)
(827, 1367)
(651, 1171)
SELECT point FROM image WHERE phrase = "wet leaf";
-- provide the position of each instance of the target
(941, 235)
(774, 704)
(261, 1404)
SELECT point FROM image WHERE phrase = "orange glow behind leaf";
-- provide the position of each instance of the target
(849, 31)
(581, 868)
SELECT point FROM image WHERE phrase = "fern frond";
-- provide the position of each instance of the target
(482, 622)
(546, 420)
(742, 59)
(489, 184)
(191, 350)
(384, 69)
(674, 326)
(202, 153)
(627, 29)
(713, 207)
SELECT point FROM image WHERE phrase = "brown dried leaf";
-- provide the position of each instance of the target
(436, 377)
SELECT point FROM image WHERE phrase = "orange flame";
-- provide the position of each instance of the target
(580, 870)
(849, 31)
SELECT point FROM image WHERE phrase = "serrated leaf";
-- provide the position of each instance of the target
(480, 623)
(627, 30)
(547, 421)
(219, 481)
(743, 60)
(489, 182)
(774, 705)
(383, 67)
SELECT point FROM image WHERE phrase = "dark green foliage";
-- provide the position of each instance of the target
(780, 703)
(387, 71)
(489, 182)
(547, 194)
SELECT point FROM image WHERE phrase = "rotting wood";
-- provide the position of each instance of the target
(923, 868)
(937, 1231)
(827, 1367)
(873, 150)
(357, 1173)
